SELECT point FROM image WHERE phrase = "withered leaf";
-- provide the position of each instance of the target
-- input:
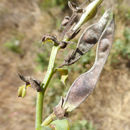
(68, 22)
(48, 38)
(59, 111)
(31, 81)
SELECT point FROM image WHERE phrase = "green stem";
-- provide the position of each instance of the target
(40, 95)
(39, 108)
(50, 70)
(49, 119)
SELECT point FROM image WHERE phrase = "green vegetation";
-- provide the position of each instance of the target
(52, 3)
(14, 46)
(42, 61)
(82, 125)
(42, 56)
(121, 48)
(124, 12)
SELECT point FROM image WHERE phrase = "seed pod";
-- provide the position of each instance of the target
(89, 13)
(76, 21)
(88, 39)
(85, 83)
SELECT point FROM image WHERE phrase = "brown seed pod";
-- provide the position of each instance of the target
(88, 39)
(85, 83)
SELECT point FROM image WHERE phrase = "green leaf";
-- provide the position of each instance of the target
(63, 74)
(46, 128)
(60, 125)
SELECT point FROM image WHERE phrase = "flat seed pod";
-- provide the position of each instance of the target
(88, 39)
(85, 83)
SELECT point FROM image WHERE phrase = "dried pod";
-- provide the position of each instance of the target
(88, 39)
(85, 83)
(69, 22)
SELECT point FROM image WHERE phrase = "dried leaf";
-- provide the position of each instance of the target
(49, 38)
(30, 81)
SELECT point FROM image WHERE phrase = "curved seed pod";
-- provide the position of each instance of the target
(89, 11)
(76, 21)
(88, 39)
(85, 83)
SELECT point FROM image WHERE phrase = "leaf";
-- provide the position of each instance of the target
(64, 74)
(46, 128)
(60, 125)
(63, 79)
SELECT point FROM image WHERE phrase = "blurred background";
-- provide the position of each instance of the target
(22, 25)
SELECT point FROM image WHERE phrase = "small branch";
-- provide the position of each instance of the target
(49, 119)
(39, 109)
(50, 70)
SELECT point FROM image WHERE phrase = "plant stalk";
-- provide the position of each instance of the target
(40, 95)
